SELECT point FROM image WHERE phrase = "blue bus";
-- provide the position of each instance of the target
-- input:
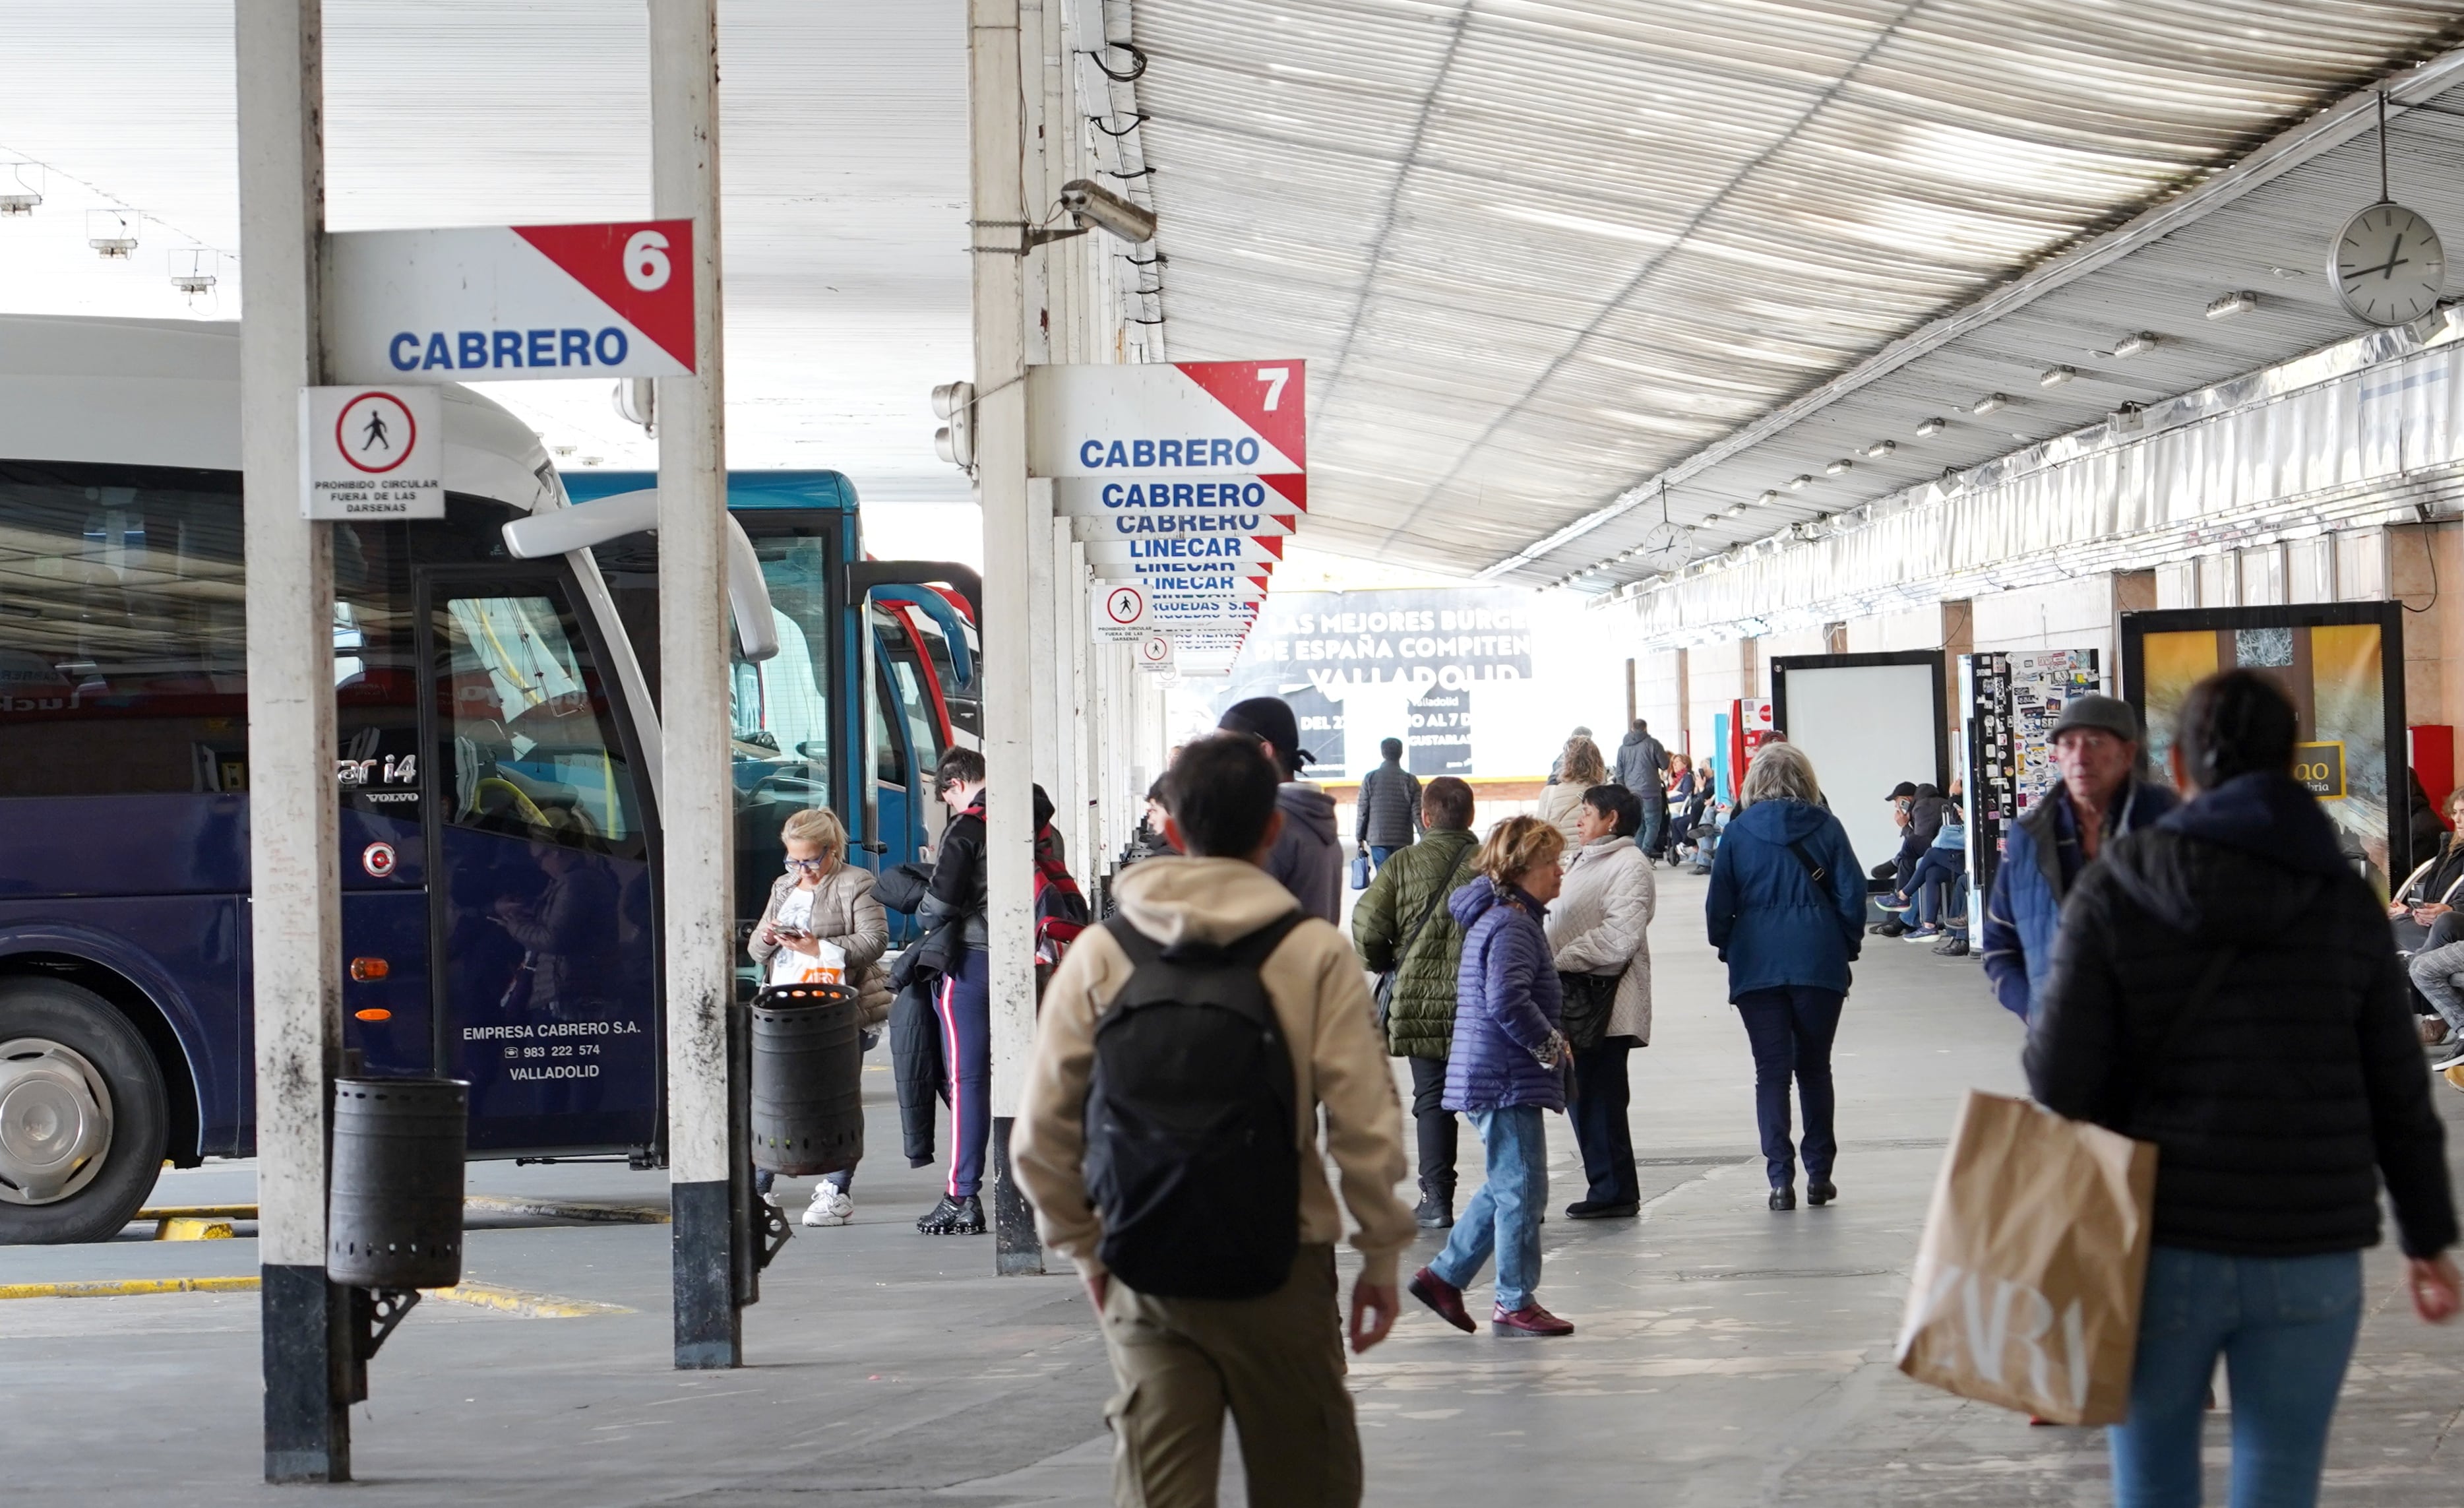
(499, 748)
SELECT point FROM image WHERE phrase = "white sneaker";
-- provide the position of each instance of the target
(830, 1206)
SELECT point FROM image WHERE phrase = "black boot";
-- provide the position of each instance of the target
(1437, 1210)
(953, 1217)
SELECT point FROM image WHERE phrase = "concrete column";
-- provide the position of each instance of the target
(696, 806)
(295, 923)
(995, 110)
(1044, 633)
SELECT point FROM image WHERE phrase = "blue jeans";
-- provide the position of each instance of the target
(2285, 1327)
(1935, 882)
(1380, 853)
(1505, 1216)
(1791, 1027)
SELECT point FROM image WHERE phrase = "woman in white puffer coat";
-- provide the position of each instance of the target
(1599, 931)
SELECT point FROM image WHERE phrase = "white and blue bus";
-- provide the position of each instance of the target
(498, 760)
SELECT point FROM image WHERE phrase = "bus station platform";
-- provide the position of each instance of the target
(1725, 1355)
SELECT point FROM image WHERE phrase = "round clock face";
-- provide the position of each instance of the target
(1668, 546)
(2387, 266)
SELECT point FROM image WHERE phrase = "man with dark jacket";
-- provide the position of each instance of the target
(1642, 768)
(1308, 857)
(1402, 925)
(2101, 798)
(1389, 807)
(2223, 987)
(954, 914)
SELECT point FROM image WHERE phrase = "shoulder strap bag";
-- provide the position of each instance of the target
(1385, 992)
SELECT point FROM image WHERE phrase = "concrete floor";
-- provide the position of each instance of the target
(1725, 1355)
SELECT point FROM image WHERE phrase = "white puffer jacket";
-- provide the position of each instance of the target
(1600, 924)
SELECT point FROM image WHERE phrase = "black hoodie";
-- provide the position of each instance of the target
(2299, 1081)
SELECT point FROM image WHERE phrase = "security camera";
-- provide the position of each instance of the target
(1089, 201)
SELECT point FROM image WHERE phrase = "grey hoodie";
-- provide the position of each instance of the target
(1642, 764)
(1308, 859)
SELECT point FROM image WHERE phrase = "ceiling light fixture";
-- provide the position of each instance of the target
(1881, 448)
(1769, 495)
(1932, 427)
(1991, 402)
(111, 233)
(22, 195)
(1801, 481)
(1838, 467)
(2130, 345)
(2238, 302)
(1736, 510)
(2056, 376)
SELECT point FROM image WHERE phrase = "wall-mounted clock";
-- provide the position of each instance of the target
(2386, 265)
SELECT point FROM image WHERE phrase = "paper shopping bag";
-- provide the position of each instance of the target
(2027, 1283)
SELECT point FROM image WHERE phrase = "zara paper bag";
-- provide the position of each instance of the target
(2027, 1283)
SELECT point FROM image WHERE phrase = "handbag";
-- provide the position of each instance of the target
(1384, 994)
(1589, 999)
(2027, 1286)
(1360, 871)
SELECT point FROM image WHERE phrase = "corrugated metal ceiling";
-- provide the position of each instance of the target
(1538, 251)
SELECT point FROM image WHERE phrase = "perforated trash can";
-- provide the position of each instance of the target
(807, 1079)
(394, 1216)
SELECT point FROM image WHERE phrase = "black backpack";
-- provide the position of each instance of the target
(1190, 1118)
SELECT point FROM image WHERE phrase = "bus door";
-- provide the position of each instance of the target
(912, 738)
(541, 920)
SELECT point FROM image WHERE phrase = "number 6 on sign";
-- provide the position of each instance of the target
(645, 262)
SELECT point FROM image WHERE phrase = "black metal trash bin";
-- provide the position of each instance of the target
(807, 1079)
(394, 1219)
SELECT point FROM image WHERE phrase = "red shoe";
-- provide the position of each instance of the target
(1443, 1298)
(1530, 1319)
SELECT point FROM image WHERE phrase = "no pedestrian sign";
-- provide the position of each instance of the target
(371, 453)
(508, 302)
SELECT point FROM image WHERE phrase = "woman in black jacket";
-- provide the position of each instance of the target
(2223, 987)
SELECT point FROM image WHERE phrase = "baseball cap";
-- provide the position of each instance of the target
(1902, 791)
(2107, 714)
(1270, 720)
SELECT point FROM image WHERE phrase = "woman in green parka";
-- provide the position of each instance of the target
(1402, 926)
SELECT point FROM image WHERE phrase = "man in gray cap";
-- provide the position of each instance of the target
(2100, 797)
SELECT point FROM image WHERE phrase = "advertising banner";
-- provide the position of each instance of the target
(2013, 698)
(2343, 666)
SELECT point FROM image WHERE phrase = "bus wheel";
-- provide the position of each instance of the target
(82, 1116)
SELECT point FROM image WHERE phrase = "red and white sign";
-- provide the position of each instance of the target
(1257, 525)
(1154, 496)
(1182, 552)
(1223, 586)
(1120, 606)
(1163, 421)
(1154, 654)
(377, 859)
(371, 453)
(507, 302)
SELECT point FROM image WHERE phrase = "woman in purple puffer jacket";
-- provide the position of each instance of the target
(1507, 1066)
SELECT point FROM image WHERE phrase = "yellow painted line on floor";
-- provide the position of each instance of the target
(193, 1228)
(481, 1295)
(128, 1287)
(488, 1204)
(514, 1301)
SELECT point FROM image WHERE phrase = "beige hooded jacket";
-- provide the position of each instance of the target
(1315, 983)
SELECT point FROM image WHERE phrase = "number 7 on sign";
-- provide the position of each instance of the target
(1274, 377)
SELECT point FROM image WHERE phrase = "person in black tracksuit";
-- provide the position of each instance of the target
(2223, 986)
(954, 913)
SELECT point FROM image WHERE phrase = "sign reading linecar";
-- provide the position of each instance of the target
(371, 453)
(514, 301)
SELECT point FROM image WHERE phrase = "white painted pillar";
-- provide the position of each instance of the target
(294, 920)
(995, 111)
(1043, 651)
(697, 951)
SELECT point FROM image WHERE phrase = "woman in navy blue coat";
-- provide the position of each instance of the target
(1787, 911)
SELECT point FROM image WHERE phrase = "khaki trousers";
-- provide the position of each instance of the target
(1276, 1362)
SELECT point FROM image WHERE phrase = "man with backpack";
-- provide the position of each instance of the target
(1168, 1140)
